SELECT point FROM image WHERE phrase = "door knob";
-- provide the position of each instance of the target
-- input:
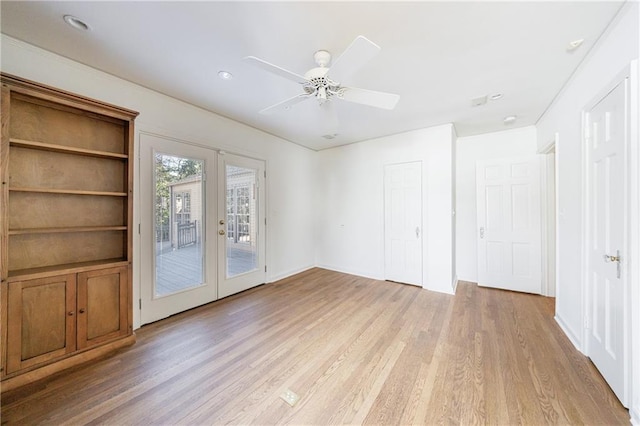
(221, 222)
(616, 259)
(221, 232)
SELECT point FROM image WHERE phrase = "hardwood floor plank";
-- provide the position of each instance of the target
(356, 351)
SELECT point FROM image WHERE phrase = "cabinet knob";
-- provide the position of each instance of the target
(82, 310)
(70, 313)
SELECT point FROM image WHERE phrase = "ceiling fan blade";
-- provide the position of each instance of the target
(359, 52)
(369, 97)
(286, 104)
(289, 75)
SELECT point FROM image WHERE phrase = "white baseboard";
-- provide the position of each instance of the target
(286, 274)
(455, 284)
(573, 338)
(365, 274)
(634, 413)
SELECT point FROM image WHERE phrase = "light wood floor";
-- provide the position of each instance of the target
(355, 350)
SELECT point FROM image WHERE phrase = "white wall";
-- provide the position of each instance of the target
(509, 143)
(613, 52)
(351, 202)
(290, 168)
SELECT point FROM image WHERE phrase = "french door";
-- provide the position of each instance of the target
(241, 224)
(176, 233)
(202, 226)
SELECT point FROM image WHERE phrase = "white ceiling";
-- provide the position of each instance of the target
(436, 55)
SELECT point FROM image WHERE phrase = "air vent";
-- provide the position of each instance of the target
(330, 136)
(479, 101)
(290, 397)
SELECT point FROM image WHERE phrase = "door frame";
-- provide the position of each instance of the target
(630, 234)
(549, 216)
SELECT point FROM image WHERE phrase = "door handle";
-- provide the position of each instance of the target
(481, 232)
(221, 232)
(616, 259)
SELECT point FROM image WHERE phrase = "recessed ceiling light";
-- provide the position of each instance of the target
(573, 45)
(495, 96)
(76, 23)
(510, 119)
(225, 75)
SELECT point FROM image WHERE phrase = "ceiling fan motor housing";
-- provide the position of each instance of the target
(319, 84)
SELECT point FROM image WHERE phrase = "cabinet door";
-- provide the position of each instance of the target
(102, 305)
(41, 321)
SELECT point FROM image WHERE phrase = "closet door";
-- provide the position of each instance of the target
(403, 223)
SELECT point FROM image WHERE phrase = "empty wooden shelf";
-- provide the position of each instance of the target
(66, 229)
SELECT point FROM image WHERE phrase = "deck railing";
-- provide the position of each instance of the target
(187, 234)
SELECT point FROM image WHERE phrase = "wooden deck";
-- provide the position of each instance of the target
(179, 269)
(356, 351)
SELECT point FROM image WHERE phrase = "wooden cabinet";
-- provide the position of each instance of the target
(41, 323)
(49, 318)
(102, 308)
(66, 207)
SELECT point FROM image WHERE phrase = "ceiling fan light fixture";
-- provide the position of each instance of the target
(76, 23)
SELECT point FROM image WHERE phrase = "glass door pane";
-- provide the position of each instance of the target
(241, 244)
(179, 210)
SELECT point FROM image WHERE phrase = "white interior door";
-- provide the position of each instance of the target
(606, 138)
(403, 223)
(508, 221)
(241, 224)
(176, 239)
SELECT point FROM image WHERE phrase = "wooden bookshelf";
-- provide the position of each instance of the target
(66, 228)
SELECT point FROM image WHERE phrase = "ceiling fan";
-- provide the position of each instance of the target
(324, 83)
